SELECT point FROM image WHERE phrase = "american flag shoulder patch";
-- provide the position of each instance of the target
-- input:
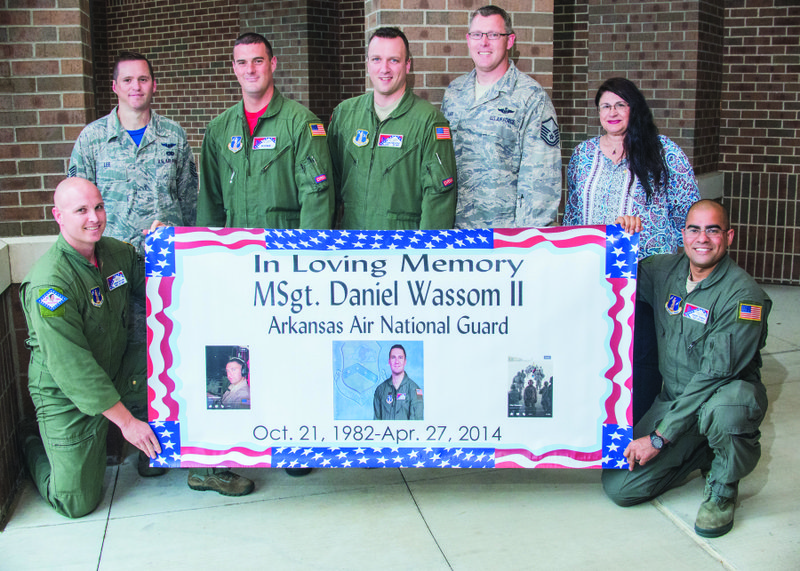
(317, 129)
(749, 311)
(442, 133)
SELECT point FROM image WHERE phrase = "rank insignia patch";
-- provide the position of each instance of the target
(361, 138)
(236, 144)
(116, 281)
(395, 141)
(749, 311)
(97, 296)
(317, 129)
(442, 133)
(264, 143)
(673, 304)
(50, 300)
(549, 133)
(695, 313)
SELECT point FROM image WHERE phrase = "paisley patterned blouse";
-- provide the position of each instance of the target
(598, 193)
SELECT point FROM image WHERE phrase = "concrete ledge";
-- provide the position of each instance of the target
(17, 256)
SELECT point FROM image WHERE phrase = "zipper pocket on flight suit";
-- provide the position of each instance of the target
(275, 158)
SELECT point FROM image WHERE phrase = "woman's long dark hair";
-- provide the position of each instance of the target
(642, 145)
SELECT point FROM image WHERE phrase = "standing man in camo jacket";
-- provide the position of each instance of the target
(140, 161)
(143, 166)
(504, 132)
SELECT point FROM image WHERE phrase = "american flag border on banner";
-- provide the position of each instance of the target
(164, 411)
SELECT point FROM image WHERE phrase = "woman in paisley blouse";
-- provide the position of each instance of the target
(632, 172)
(634, 177)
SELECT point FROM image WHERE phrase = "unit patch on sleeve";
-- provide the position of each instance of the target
(50, 302)
(749, 311)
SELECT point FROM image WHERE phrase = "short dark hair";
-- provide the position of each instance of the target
(397, 346)
(390, 33)
(249, 38)
(491, 10)
(131, 56)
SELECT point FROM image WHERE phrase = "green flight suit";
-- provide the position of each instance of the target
(712, 401)
(80, 365)
(399, 174)
(277, 178)
(403, 403)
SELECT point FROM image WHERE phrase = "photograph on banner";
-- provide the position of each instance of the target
(227, 377)
(531, 392)
(397, 348)
(363, 373)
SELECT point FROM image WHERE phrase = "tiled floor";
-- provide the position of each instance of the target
(434, 519)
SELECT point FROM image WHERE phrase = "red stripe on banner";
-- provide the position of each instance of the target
(586, 457)
(188, 238)
(165, 293)
(529, 237)
(236, 449)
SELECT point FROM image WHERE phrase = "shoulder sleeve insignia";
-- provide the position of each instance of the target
(749, 311)
(50, 302)
(442, 133)
(550, 133)
(317, 129)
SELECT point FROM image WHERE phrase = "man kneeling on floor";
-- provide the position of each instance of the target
(76, 301)
(711, 323)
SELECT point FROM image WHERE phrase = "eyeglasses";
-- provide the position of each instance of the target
(620, 106)
(712, 232)
(490, 35)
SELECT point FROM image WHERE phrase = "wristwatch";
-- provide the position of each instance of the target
(657, 441)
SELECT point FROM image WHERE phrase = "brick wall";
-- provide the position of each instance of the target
(189, 44)
(759, 143)
(312, 65)
(45, 91)
(436, 31)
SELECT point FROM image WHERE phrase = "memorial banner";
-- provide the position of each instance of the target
(504, 348)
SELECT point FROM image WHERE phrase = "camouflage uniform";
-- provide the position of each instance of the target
(508, 152)
(155, 181)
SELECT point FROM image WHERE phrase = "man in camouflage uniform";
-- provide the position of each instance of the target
(505, 134)
(140, 161)
(143, 166)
